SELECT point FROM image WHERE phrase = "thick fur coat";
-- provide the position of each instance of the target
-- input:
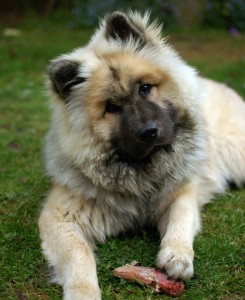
(136, 137)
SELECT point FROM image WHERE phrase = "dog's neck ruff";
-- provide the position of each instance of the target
(165, 170)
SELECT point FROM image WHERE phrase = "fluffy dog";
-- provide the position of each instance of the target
(136, 137)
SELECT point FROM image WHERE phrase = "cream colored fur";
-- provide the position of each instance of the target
(91, 200)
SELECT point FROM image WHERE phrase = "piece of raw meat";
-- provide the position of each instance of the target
(151, 277)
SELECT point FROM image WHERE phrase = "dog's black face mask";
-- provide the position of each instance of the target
(144, 127)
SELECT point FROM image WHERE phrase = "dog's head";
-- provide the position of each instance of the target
(125, 96)
(125, 86)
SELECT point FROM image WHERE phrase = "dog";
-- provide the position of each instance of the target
(136, 138)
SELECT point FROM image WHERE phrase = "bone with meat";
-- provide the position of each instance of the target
(151, 277)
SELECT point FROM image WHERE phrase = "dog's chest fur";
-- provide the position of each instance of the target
(132, 197)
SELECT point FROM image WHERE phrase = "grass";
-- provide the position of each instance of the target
(24, 120)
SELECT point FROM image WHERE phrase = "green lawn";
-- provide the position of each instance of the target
(24, 116)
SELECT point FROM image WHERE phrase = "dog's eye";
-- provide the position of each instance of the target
(145, 89)
(112, 108)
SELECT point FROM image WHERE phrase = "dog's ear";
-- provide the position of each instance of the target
(64, 74)
(120, 26)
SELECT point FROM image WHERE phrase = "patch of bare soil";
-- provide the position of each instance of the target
(225, 47)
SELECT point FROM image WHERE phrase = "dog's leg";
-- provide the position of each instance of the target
(66, 247)
(178, 228)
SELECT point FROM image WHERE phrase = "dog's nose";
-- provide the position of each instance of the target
(149, 132)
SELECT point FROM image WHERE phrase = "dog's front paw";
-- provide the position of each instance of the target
(176, 260)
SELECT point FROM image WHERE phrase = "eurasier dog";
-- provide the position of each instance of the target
(136, 137)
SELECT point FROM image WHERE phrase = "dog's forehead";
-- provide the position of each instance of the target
(131, 69)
